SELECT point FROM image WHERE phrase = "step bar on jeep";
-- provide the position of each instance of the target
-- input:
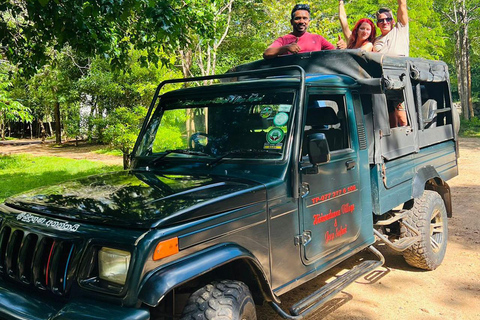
(400, 244)
(317, 299)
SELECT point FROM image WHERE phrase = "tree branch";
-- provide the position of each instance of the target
(229, 18)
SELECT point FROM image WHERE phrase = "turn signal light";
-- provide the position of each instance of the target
(165, 249)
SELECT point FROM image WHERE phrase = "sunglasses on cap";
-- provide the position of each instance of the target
(386, 20)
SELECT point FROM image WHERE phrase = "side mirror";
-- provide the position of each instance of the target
(318, 151)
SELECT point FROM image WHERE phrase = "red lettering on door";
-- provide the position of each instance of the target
(338, 233)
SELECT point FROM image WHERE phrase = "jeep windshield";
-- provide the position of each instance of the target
(219, 127)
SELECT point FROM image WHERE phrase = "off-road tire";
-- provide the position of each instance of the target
(429, 216)
(225, 300)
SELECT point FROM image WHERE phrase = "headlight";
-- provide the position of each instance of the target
(113, 265)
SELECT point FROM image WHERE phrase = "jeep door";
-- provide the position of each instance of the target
(330, 206)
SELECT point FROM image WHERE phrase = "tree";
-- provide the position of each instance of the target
(121, 129)
(247, 36)
(10, 108)
(201, 51)
(30, 28)
(117, 101)
(53, 87)
(460, 14)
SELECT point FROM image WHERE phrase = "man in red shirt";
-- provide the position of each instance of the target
(299, 40)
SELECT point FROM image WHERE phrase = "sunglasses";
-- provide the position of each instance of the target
(386, 20)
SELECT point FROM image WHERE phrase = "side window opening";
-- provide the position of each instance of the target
(326, 114)
(397, 110)
(432, 105)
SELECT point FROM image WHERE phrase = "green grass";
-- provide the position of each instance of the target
(470, 128)
(23, 172)
(109, 152)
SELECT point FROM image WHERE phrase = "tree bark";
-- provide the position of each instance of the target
(126, 158)
(2, 126)
(58, 129)
(460, 19)
(469, 82)
(50, 128)
(42, 131)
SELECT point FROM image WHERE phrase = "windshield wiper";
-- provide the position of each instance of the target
(241, 151)
(179, 151)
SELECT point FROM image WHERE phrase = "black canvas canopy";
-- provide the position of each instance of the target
(360, 65)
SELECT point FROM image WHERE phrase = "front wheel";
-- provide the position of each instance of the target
(429, 216)
(225, 300)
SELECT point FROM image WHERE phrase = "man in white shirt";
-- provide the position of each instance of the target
(395, 39)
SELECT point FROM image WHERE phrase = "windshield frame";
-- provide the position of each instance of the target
(278, 85)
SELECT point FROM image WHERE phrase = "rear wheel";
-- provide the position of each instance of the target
(225, 300)
(429, 216)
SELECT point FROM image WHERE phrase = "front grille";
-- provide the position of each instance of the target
(37, 260)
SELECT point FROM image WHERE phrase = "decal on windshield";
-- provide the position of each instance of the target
(268, 146)
(275, 136)
(231, 99)
(280, 119)
(62, 226)
(284, 108)
(266, 112)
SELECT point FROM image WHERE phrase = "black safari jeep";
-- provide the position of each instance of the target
(241, 190)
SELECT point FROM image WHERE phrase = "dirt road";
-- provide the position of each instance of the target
(395, 291)
(67, 150)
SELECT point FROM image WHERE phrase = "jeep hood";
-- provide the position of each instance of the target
(140, 199)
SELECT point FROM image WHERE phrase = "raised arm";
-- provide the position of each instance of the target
(342, 16)
(402, 12)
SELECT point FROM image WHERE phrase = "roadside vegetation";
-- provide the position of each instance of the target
(470, 128)
(23, 172)
(88, 70)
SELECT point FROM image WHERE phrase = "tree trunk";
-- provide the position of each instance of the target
(91, 114)
(186, 58)
(465, 71)
(42, 131)
(459, 16)
(58, 129)
(126, 158)
(469, 81)
(460, 58)
(458, 49)
(2, 126)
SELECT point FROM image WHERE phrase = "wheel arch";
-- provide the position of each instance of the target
(220, 260)
(427, 178)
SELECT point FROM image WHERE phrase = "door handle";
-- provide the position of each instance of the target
(304, 189)
(350, 164)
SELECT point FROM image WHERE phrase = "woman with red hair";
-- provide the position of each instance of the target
(362, 35)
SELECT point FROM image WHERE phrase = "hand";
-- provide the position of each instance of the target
(293, 47)
(341, 44)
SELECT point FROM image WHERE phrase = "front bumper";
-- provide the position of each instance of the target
(18, 305)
